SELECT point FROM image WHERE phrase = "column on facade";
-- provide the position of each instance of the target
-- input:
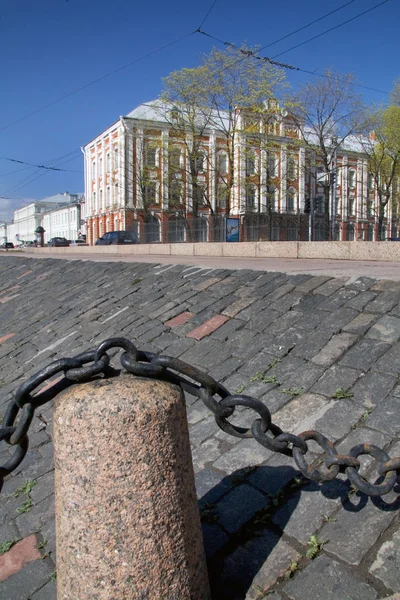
(238, 192)
(283, 182)
(138, 141)
(212, 184)
(345, 190)
(189, 183)
(301, 179)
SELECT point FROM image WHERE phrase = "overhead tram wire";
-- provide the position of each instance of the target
(83, 87)
(332, 28)
(308, 25)
(39, 172)
(48, 168)
(209, 11)
(32, 178)
(250, 54)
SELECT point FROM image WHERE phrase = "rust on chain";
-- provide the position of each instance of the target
(95, 363)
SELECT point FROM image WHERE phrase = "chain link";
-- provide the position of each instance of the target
(213, 394)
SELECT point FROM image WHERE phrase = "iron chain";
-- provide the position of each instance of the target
(213, 394)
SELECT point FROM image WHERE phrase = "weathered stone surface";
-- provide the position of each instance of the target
(387, 329)
(372, 388)
(29, 580)
(274, 329)
(238, 506)
(390, 361)
(325, 578)
(383, 303)
(154, 458)
(386, 565)
(364, 354)
(245, 454)
(355, 531)
(386, 417)
(334, 349)
(304, 513)
(334, 378)
(361, 323)
(256, 566)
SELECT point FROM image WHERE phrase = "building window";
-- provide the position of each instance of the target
(108, 162)
(222, 196)
(251, 198)
(199, 195)
(176, 193)
(371, 181)
(351, 207)
(291, 168)
(199, 161)
(94, 170)
(319, 204)
(152, 230)
(150, 193)
(272, 204)
(349, 233)
(108, 197)
(370, 233)
(175, 159)
(290, 200)
(116, 159)
(352, 178)
(151, 157)
(176, 229)
(250, 163)
(222, 163)
(370, 208)
(272, 165)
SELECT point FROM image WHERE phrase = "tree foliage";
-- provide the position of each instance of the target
(381, 143)
(328, 111)
(214, 96)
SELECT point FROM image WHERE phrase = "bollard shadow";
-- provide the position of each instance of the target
(243, 519)
(238, 531)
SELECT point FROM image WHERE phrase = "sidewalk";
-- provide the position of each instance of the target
(292, 340)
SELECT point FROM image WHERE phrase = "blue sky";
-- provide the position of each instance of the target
(49, 48)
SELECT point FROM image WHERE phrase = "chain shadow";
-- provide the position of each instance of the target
(244, 516)
(237, 530)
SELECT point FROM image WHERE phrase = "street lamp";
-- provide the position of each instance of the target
(40, 236)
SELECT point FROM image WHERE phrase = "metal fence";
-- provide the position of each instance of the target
(259, 227)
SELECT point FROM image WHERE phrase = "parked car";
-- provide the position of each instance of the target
(7, 245)
(79, 243)
(58, 241)
(117, 237)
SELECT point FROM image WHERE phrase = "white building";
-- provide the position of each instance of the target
(28, 218)
(66, 221)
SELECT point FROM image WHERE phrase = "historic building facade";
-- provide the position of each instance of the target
(140, 174)
(60, 215)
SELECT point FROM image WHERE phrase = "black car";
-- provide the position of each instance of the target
(58, 242)
(117, 237)
(7, 245)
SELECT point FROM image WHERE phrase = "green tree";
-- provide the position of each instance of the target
(381, 144)
(327, 111)
(214, 97)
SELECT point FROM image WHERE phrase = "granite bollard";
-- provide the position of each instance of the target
(127, 519)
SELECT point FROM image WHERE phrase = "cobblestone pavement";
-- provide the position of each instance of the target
(307, 335)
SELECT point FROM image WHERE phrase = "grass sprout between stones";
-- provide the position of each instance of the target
(6, 546)
(314, 546)
(26, 490)
(264, 378)
(342, 394)
(291, 391)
